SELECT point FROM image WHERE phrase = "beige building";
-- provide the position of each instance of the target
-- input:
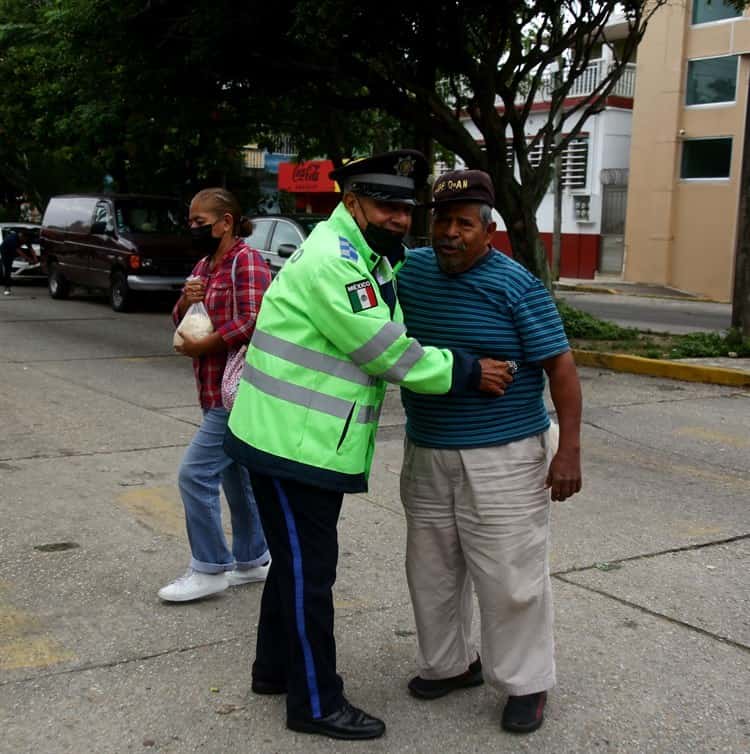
(691, 103)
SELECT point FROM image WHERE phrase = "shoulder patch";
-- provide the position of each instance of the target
(347, 250)
(361, 295)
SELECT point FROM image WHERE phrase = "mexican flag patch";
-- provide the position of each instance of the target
(361, 295)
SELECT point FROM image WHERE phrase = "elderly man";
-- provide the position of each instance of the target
(477, 473)
(329, 336)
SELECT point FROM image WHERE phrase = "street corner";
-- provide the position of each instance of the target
(673, 370)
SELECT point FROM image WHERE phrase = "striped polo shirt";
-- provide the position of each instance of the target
(499, 309)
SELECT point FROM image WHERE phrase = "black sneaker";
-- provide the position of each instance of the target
(524, 714)
(426, 688)
(348, 723)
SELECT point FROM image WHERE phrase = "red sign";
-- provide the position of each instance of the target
(306, 177)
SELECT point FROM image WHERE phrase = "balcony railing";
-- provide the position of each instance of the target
(592, 76)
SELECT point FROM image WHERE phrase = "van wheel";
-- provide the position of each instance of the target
(120, 295)
(58, 286)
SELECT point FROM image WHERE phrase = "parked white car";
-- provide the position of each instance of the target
(22, 269)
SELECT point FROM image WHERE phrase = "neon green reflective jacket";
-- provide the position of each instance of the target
(325, 344)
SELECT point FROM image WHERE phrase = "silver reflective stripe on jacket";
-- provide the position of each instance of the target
(368, 414)
(292, 393)
(408, 359)
(306, 357)
(388, 334)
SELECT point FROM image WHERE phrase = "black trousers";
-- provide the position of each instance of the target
(295, 631)
(6, 267)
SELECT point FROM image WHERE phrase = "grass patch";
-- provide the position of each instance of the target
(593, 334)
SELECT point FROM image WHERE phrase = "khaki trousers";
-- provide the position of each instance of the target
(481, 515)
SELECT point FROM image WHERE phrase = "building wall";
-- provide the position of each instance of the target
(682, 233)
(609, 147)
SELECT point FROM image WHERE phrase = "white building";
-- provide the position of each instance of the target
(595, 170)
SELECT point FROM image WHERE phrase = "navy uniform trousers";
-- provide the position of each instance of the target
(295, 631)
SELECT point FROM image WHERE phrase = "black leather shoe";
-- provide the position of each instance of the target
(267, 686)
(426, 688)
(347, 722)
(524, 714)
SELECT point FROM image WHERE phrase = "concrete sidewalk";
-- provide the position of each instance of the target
(649, 564)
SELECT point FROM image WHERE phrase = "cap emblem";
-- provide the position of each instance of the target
(405, 166)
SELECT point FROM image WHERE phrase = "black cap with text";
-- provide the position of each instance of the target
(463, 186)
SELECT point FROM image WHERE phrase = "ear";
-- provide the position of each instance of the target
(349, 201)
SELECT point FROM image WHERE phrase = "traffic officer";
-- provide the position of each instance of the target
(328, 337)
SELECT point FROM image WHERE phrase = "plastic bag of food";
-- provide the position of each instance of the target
(196, 323)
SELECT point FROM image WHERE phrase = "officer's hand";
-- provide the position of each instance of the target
(496, 376)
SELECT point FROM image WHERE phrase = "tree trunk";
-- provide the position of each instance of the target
(526, 244)
(420, 225)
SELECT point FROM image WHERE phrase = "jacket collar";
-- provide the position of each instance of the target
(344, 224)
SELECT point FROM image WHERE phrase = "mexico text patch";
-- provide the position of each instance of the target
(361, 295)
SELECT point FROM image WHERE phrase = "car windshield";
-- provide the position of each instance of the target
(148, 216)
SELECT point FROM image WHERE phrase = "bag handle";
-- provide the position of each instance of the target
(234, 288)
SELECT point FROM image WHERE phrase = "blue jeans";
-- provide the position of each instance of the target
(204, 465)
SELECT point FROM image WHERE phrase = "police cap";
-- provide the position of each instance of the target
(389, 177)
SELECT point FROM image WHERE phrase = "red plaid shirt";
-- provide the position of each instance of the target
(251, 278)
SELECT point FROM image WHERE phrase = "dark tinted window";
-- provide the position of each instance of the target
(711, 80)
(149, 216)
(72, 213)
(308, 223)
(706, 158)
(705, 11)
(31, 233)
(103, 214)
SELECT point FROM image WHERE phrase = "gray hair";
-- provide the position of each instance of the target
(485, 214)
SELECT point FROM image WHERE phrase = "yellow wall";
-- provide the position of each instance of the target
(682, 233)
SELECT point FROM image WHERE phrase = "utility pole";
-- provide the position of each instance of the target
(741, 297)
(558, 167)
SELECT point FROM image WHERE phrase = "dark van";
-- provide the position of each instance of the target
(124, 244)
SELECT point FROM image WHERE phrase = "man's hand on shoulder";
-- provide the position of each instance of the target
(495, 376)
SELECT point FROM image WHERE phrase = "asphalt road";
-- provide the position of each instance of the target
(650, 568)
(676, 316)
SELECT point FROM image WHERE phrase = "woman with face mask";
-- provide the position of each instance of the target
(230, 281)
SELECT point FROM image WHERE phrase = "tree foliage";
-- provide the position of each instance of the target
(157, 93)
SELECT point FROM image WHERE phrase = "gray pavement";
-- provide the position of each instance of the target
(650, 567)
(650, 312)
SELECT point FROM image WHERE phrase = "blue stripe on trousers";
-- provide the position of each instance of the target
(299, 602)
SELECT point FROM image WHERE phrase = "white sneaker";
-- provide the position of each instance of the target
(248, 575)
(194, 585)
(6, 292)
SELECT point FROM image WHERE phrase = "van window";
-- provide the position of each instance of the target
(149, 216)
(102, 214)
(72, 213)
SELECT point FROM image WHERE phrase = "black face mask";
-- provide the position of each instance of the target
(202, 240)
(384, 242)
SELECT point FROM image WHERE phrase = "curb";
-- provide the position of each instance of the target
(621, 292)
(672, 370)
